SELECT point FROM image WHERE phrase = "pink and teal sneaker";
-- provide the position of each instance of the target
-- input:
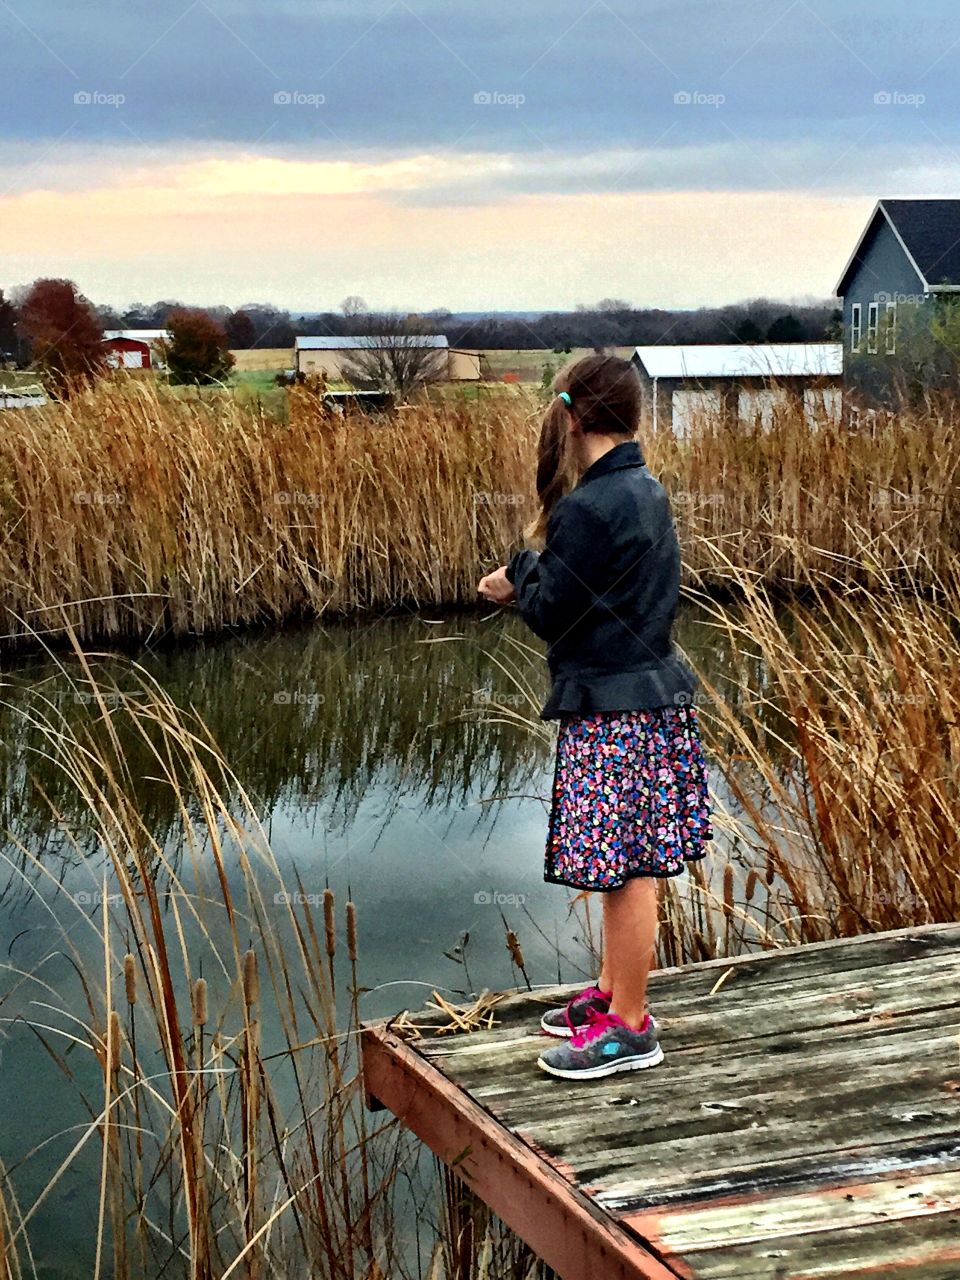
(576, 1013)
(605, 1046)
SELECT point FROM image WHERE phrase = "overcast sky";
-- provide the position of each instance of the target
(423, 153)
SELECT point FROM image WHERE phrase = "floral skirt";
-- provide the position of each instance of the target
(629, 798)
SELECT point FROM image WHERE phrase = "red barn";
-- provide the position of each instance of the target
(133, 348)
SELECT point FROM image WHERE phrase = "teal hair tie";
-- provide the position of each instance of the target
(565, 397)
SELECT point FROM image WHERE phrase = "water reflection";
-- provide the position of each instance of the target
(385, 763)
(313, 717)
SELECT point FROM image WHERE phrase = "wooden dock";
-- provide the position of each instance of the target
(804, 1124)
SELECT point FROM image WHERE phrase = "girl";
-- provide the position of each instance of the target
(630, 791)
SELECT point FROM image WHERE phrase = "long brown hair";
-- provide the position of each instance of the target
(606, 398)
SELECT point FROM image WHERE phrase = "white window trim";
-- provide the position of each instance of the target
(890, 337)
(873, 327)
(856, 327)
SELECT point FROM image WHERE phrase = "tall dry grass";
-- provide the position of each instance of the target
(222, 993)
(844, 765)
(131, 511)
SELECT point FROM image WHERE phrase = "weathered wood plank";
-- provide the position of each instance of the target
(763, 1219)
(912, 1249)
(787, 1070)
(796, 966)
(739, 1010)
(805, 1125)
(794, 1028)
(754, 1116)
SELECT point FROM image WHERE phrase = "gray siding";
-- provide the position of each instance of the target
(881, 268)
(880, 271)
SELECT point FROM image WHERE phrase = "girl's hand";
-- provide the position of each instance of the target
(497, 587)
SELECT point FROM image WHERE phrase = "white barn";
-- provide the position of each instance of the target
(741, 382)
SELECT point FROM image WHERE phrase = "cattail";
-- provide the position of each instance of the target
(251, 979)
(728, 890)
(328, 922)
(130, 978)
(114, 1046)
(352, 931)
(200, 999)
(753, 879)
(513, 946)
(769, 870)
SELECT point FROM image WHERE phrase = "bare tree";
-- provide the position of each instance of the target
(353, 305)
(397, 355)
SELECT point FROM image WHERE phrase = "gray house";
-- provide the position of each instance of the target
(907, 256)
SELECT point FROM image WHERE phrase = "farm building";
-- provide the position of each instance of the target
(738, 382)
(329, 356)
(907, 258)
(133, 348)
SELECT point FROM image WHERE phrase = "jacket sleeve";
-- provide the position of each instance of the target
(557, 587)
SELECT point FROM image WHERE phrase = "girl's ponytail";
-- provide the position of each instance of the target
(555, 473)
(606, 392)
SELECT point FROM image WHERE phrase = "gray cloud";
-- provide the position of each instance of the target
(778, 91)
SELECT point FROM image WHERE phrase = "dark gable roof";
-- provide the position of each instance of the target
(929, 231)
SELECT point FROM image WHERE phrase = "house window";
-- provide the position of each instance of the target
(856, 327)
(891, 334)
(873, 324)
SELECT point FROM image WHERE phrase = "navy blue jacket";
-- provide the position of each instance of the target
(604, 592)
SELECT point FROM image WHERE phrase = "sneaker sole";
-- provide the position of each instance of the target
(637, 1063)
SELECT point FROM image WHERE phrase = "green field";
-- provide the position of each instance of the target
(18, 378)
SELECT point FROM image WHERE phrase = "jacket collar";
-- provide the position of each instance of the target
(620, 456)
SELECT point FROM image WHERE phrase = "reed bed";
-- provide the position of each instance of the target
(222, 990)
(132, 512)
(843, 769)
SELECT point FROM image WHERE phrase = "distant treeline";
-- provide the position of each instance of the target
(608, 324)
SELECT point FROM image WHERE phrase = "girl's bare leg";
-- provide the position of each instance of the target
(629, 943)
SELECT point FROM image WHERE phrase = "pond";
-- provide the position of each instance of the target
(387, 761)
